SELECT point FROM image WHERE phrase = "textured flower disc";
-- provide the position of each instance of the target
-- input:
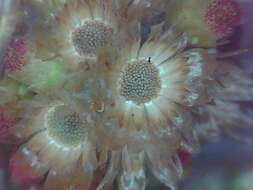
(85, 28)
(90, 36)
(150, 82)
(140, 82)
(222, 16)
(65, 127)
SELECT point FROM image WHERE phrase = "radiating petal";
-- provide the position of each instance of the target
(133, 175)
(112, 171)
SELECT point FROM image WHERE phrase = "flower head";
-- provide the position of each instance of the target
(57, 139)
(83, 28)
(222, 16)
(205, 21)
(151, 81)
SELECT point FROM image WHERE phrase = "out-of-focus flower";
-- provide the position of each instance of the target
(16, 55)
(205, 21)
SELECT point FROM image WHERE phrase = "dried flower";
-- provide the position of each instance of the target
(205, 21)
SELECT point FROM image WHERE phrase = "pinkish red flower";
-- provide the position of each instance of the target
(15, 55)
(223, 16)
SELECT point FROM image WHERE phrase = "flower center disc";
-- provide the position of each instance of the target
(223, 16)
(65, 127)
(90, 36)
(140, 82)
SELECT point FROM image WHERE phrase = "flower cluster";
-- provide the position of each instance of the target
(98, 105)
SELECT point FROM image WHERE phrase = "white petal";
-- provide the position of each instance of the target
(133, 175)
